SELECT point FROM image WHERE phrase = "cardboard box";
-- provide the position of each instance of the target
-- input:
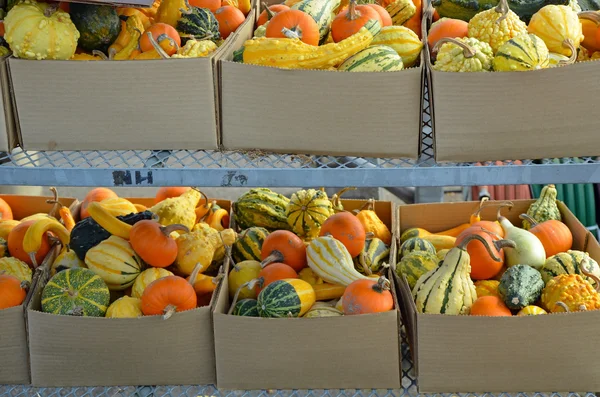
(513, 115)
(119, 351)
(320, 112)
(102, 105)
(7, 122)
(14, 365)
(476, 354)
(348, 352)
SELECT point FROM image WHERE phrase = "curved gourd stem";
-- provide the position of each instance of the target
(563, 305)
(503, 9)
(593, 16)
(482, 204)
(529, 219)
(291, 33)
(167, 230)
(568, 43)
(508, 204)
(471, 237)
(204, 196)
(103, 55)
(429, 11)
(270, 14)
(250, 284)
(368, 206)
(228, 251)
(335, 200)
(55, 208)
(383, 284)
(468, 51)
(504, 244)
(51, 9)
(585, 263)
(172, 309)
(158, 48)
(275, 256)
(484, 230)
(363, 262)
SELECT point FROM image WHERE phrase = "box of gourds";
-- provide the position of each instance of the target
(130, 78)
(486, 286)
(17, 265)
(485, 107)
(308, 280)
(128, 299)
(325, 74)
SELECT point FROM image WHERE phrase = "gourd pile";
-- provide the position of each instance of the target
(307, 257)
(499, 39)
(84, 32)
(125, 260)
(494, 268)
(329, 34)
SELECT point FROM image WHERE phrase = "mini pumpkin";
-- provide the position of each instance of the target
(170, 294)
(367, 296)
(350, 21)
(12, 291)
(153, 242)
(294, 24)
(346, 228)
(286, 247)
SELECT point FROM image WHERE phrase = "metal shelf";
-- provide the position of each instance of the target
(251, 169)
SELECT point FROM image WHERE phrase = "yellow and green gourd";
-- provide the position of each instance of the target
(531, 311)
(76, 292)
(496, 26)
(404, 41)
(261, 207)
(125, 307)
(401, 11)
(15, 267)
(322, 11)
(115, 261)
(246, 307)
(416, 244)
(286, 298)
(373, 256)
(67, 259)
(569, 262)
(376, 58)
(249, 244)
(3, 248)
(415, 264)
(522, 53)
(544, 208)
(307, 210)
(463, 55)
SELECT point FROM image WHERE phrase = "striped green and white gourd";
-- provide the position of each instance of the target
(249, 244)
(415, 264)
(76, 291)
(569, 263)
(415, 244)
(401, 11)
(286, 298)
(307, 211)
(198, 22)
(115, 261)
(261, 207)
(322, 11)
(246, 307)
(376, 58)
(374, 255)
(329, 259)
(404, 41)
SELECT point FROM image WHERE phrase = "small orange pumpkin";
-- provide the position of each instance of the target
(386, 19)
(170, 294)
(447, 28)
(346, 228)
(5, 211)
(97, 194)
(483, 266)
(284, 246)
(349, 21)
(274, 272)
(169, 192)
(160, 31)
(270, 12)
(489, 306)
(153, 242)
(12, 291)
(590, 24)
(212, 5)
(15, 244)
(294, 24)
(230, 18)
(368, 296)
(554, 235)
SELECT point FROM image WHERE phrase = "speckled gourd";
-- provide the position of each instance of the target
(544, 208)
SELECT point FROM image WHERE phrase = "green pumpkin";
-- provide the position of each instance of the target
(416, 244)
(415, 264)
(199, 23)
(99, 26)
(246, 307)
(76, 292)
(520, 286)
(261, 207)
(249, 244)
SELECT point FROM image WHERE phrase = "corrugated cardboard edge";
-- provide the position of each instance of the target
(8, 106)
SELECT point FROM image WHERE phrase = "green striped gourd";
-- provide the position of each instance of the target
(263, 208)
(415, 264)
(146, 278)
(78, 292)
(401, 11)
(544, 208)
(198, 22)
(521, 53)
(416, 244)
(115, 261)
(448, 289)
(322, 11)
(307, 211)
(375, 253)
(286, 298)
(376, 58)
(246, 307)
(329, 259)
(248, 245)
(15, 267)
(404, 41)
(569, 262)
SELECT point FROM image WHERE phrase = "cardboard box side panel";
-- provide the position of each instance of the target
(122, 92)
(8, 138)
(14, 367)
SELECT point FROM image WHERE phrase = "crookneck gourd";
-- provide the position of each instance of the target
(545, 207)
(448, 289)
(496, 26)
(462, 55)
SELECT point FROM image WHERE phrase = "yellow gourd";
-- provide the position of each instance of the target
(117, 206)
(200, 247)
(196, 49)
(496, 26)
(169, 11)
(125, 307)
(371, 222)
(16, 267)
(128, 39)
(146, 278)
(294, 54)
(178, 210)
(462, 55)
(559, 27)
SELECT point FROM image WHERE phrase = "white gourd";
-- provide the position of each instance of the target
(331, 261)
(529, 249)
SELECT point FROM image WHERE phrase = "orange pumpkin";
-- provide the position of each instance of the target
(153, 242)
(12, 291)
(590, 24)
(5, 211)
(349, 21)
(169, 192)
(447, 28)
(15, 244)
(367, 296)
(212, 5)
(554, 235)
(161, 31)
(294, 24)
(347, 229)
(230, 18)
(386, 19)
(284, 246)
(483, 266)
(274, 272)
(168, 295)
(97, 194)
(489, 306)
(272, 11)
(493, 226)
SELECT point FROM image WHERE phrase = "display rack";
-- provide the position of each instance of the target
(256, 168)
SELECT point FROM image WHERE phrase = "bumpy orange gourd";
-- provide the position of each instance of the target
(367, 296)
(570, 292)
